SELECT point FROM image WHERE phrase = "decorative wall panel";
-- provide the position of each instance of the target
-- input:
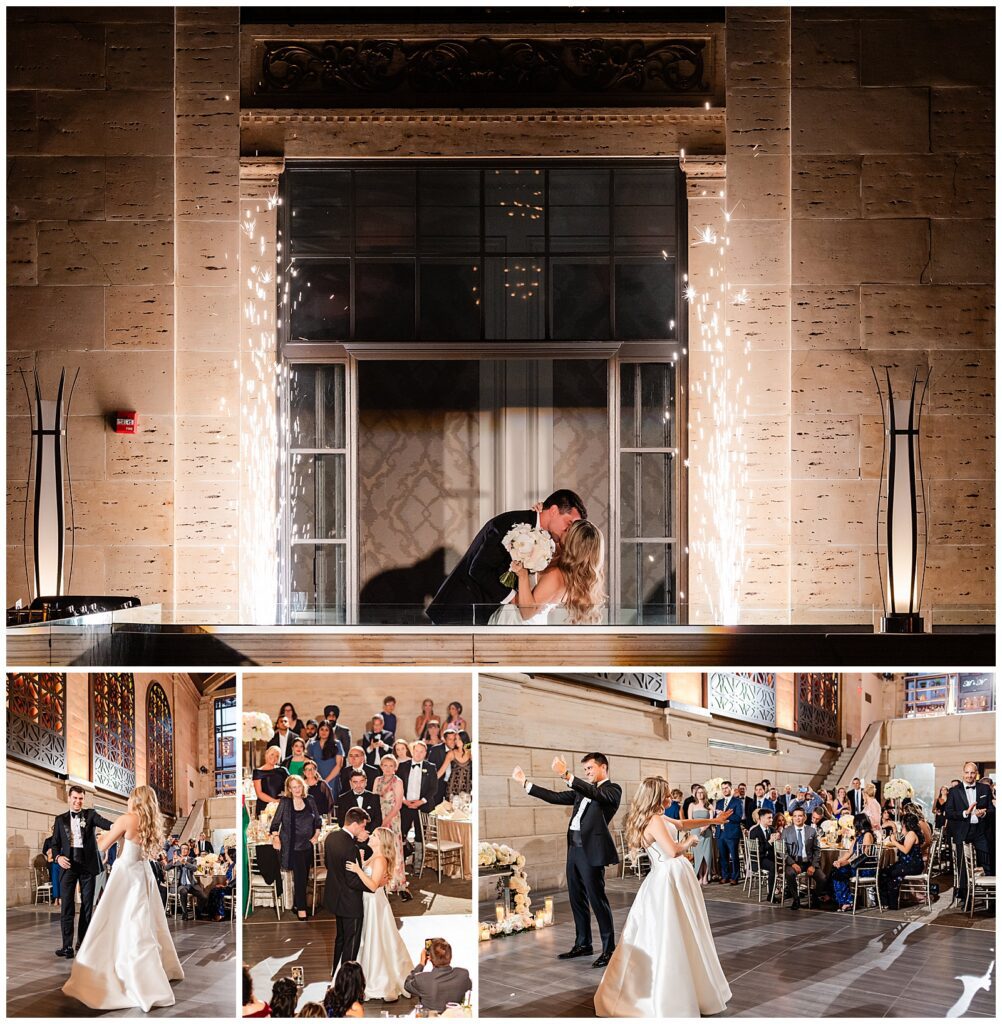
(749, 696)
(160, 747)
(817, 705)
(113, 734)
(651, 685)
(36, 719)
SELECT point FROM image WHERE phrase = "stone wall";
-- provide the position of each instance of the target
(90, 137)
(945, 741)
(892, 264)
(525, 721)
(35, 796)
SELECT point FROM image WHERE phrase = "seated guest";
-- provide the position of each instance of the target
(54, 869)
(269, 779)
(674, 809)
(762, 835)
(159, 869)
(441, 985)
(818, 815)
(888, 824)
(390, 715)
(426, 717)
(252, 1006)
(331, 714)
(780, 821)
(318, 789)
(345, 997)
(217, 909)
(284, 996)
(295, 763)
(359, 795)
(871, 806)
(909, 861)
(852, 862)
(283, 736)
(803, 854)
(377, 742)
(312, 1010)
(288, 712)
(357, 763)
(184, 876)
(925, 830)
(325, 751)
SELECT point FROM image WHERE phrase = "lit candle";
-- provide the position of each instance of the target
(499, 912)
(485, 931)
(548, 906)
(540, 918)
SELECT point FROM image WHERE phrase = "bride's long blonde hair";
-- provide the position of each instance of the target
(580, 559)
(386, 844)
(650, 799)
(144, 804)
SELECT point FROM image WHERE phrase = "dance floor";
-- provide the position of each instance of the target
(272, 948)
(778, 963)
(35, 976)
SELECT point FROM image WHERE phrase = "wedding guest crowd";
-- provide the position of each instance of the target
(314, 770)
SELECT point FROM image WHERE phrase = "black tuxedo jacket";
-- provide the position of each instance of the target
(62, 838)
(957, 802)
(599, 847)
(429, 783)
(758, 836)
(476, 580)
(291, 738)
(374, 756)
(343, 889)
(370, 804)
(204, 847)
(371, 774)
(857, 800)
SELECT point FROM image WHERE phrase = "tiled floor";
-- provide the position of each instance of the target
(778, 963)
(35, 976)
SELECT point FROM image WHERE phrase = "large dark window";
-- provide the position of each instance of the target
(113, 721)
(225, 715)
(480, 253)
(160, 747)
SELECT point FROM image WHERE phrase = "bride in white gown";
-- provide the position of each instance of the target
(666, 962)
(574, 579)
(383, 956)
(127, 957)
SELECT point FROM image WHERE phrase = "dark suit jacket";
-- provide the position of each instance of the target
(204, 847)
(429, 783)
(343, 736)
(370, 804)
(291, 738)
(342, 890)
(371, 774)
(599, 847)
(760, 838)
(320, 794)
(857, 801)
(957, 802)
(476, 580)
(62, 838)
(782, 801)
(767, 805)
(438, 986)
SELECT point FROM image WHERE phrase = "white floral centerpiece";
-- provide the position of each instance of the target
(257, 726)
(486, 857)
(207, 863)
(898, 789)
(520, 919)
(714, 788)
(530, 545)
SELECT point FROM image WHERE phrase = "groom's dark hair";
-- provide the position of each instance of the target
(565, 500)
(597, 758)
(77, 789)
(356, 816)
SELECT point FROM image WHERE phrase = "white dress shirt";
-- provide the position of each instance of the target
(414, 781)
(972, 796)
(283, 742)
(76, 831)
(575, 825)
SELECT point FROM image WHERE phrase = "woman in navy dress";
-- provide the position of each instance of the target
(909, 861)
(851, 863)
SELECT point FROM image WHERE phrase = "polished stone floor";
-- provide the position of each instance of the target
(779, 963)
(35, 976)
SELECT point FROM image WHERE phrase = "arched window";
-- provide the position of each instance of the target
(113, 736)
(160, 747)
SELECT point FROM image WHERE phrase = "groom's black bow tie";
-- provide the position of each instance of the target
(76, 814)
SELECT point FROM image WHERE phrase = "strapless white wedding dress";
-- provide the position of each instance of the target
(666, 962)
(383, 956)
(127, 957)
(509, 615)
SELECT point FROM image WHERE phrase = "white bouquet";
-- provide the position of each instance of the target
(486, 857)
(257, 726)
(898, 789)
(828, 827)
(714, 788)
(529, 545)
(847, 824)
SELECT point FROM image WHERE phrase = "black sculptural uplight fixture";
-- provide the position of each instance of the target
(902, 521)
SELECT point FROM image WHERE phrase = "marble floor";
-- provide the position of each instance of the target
(779, 963)
(35, 976)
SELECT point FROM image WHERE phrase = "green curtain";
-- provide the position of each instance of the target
(245, 874)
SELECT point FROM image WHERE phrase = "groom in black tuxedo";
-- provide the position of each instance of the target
(473, 590)
(590, 847)
(343, 889)
(968, 812)
(74, 847)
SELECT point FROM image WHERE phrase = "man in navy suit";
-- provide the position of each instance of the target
(590, 847)
(729, 836)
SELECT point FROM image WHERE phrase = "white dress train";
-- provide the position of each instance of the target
(127, 957)
(383, 956)
(665, 964)
(509, 615)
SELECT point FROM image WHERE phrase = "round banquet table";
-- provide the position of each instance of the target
(888, 856)
(457, 830)
(206, 883)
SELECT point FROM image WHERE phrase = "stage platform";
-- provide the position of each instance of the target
(35, 976)
(779, 963)
(160, 645)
